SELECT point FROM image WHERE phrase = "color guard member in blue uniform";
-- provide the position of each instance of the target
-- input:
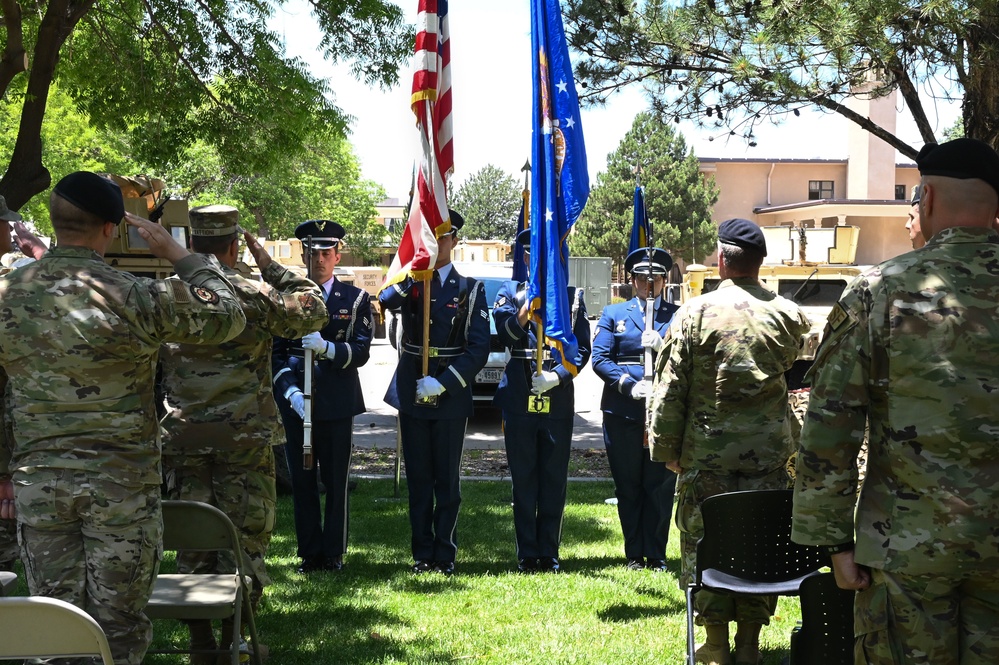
(538, 433)
(339, 349)
(644, 488)
(434, 410)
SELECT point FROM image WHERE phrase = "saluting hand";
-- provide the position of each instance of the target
(161, 243)
(257, 251)
(29, 244)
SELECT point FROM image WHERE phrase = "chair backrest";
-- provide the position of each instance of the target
(825, 636)
(748, 535)
(197, 527)
(36, 627)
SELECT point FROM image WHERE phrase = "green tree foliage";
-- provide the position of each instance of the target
(678, 199)
(171, 73)
(729, 64)
(490, 201)
(323, 182)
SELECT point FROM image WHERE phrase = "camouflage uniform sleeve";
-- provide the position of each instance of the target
(826, 474)
(674, 367)
(198, 308)
(291, 305)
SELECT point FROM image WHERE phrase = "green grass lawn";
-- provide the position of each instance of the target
(376, 611)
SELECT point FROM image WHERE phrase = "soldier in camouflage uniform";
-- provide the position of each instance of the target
(221, 419)
(720, 416)
(8, 531)
(911, 349)
(79, 341)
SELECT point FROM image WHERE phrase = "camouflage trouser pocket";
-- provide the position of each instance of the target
(874, 643)
(688, 514)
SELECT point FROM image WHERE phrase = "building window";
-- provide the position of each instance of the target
(900, 193)
(820, 189)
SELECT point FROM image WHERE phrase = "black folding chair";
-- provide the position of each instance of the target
(747, 549)
(825, 634)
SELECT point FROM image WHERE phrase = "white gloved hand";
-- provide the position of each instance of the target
(542, 383)
(315, 342)
(652, 340)
(428, 386)
(640, 390)
(297, 401)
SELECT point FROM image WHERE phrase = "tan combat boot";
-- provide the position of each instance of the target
(714, 651)
(747, 644)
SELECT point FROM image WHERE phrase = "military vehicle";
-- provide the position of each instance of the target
(810, 266)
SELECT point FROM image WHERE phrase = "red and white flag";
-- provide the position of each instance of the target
(431, 102)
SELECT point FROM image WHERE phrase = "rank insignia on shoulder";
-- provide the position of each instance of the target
(367, 323)
(620, 326)
(206, 296)
(501, 301)
(837, 316)
(484, 314)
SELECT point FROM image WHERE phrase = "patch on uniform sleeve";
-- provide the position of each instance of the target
(501, 301)
(837, 317)
(206, 296)
(181, 295)
(307, 302)
(485, 314)
(368, 323)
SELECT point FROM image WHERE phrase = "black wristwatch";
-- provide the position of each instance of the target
(836, 549)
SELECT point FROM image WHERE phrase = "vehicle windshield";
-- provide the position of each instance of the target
(813, 292)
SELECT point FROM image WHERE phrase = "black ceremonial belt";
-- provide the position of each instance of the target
(434, 351)
(528, 354)
(630, 360)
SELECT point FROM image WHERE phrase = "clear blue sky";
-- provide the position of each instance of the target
(491, 80)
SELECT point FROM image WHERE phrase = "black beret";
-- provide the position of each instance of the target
(637, 262)
(457, 221)
(962, 159)
(524, 237)
(324, 233)
(94, 194)
(742, 233)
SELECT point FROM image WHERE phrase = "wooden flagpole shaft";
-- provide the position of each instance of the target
(426, 324)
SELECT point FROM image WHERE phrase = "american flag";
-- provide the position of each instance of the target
(431, 102)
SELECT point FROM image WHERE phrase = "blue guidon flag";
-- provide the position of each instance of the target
(640, 231)
(560, 181)
(519, 260)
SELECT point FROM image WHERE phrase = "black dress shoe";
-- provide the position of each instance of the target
(445, 568)
(527, 565)
(310, 564)
(657, 565)
(635, 564)
(548, 564)
(423, 567)
(334, 563)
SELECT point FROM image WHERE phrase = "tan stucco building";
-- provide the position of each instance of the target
(868, 189)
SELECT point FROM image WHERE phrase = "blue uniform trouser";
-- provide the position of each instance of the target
(537, 450)
(432, 450)
(320, 536)
(644, 489)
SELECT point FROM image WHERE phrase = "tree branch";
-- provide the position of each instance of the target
(15, 60)
(867, 124)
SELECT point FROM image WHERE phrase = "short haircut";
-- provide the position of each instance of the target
(212, 244)
(67, 218)
(741, 259)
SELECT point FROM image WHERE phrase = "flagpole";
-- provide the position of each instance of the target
(430, 268)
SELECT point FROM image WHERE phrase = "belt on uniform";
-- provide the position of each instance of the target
(630, 360)
(434, 351)
(527, 354)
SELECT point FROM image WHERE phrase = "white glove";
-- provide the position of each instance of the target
(542, 383)
(640, 390)
(652, 340)
(428, 386)
(315, 342)
(297, 401)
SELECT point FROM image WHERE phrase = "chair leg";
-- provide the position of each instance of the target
(690, 624)
(251, 624)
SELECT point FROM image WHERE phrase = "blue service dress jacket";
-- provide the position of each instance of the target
(514, 389)
(618, 355)
(459, 343)
(336, 386)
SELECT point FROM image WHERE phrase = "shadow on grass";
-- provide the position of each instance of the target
(627, 613)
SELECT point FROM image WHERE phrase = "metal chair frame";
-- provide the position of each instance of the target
(39, 627)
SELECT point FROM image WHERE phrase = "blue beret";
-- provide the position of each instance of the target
(324, 233)
(94, 194)
(637, 262)
(742, 233)
(962, 159)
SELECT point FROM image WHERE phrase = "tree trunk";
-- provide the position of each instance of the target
(981, 86)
